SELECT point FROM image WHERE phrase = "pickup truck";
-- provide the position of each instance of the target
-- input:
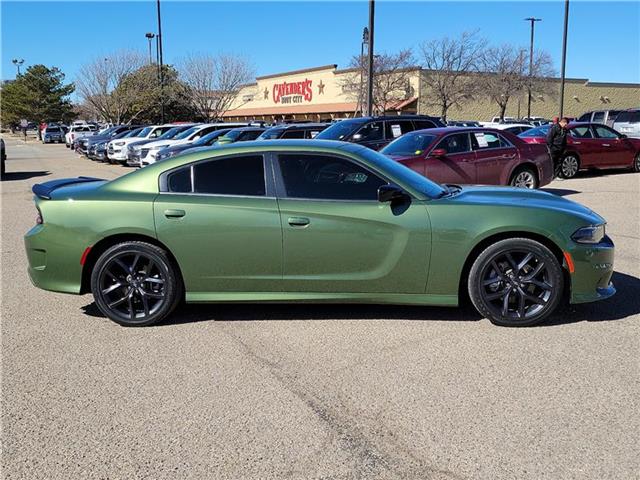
(79, 131)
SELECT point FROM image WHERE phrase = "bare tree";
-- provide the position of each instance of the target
(97, 84)
(542, 75)
(450, 64)
(392, 75)
(505, 74)
(214, 82)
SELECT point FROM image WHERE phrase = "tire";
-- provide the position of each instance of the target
(121, 292)
(569, 166)
(527, 286)
(636, 163)
(524, 177)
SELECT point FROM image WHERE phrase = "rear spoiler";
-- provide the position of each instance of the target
(43, 190)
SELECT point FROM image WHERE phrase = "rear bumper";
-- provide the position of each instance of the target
(591, 279)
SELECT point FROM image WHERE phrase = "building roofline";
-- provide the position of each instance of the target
(332, 66)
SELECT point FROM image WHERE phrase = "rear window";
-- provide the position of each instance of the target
(53, 129)
(628, 117)
(536, 132)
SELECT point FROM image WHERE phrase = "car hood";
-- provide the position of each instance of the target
(164, 143)
(524, 198)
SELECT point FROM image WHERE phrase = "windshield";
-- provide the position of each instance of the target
(536, 132)
(340, 130)
(145, 131)
(211, 137)
(271, 134)
(404, 174)
(187, 133)
(409, 145)
(132, 133)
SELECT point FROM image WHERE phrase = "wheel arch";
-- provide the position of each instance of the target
(521, 166)
(107, 242)
(463, 296)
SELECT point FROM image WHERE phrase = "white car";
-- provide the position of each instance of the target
(149, 151)
(117, 149)
(78, 131)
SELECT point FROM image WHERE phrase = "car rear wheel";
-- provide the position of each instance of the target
(569, 166)
(136, 284)
(516, 282)
(524, 178)
(636, 163)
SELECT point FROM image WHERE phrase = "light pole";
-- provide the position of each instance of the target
(365, 41)
(18, 63)
(533, 21)
(564, 55)
(372, 8)
(160, 63)
(150, 36)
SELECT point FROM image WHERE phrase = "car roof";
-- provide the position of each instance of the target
(288, 126)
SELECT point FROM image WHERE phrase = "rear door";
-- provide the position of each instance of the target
(581, 140)
(337, 237)
(458, 165)
(220, 219)
(494, 156)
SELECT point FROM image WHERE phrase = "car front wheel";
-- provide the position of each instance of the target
(516, 282)
(136, 284)
(569, 166)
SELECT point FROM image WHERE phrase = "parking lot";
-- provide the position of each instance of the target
(316, 391)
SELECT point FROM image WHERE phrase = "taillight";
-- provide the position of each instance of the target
(39, 220)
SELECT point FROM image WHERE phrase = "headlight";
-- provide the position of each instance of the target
(119, 144)
(591, 234)
(158, 147)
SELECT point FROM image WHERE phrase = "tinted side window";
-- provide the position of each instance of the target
(293, 134)
(180, 180)
(397, 128)
(458, 143)
(585, 117)
(371, 132)
(598, 117)
(241, 175)
(482, 140)
(311, 133)
(327, 177)
(251, 135)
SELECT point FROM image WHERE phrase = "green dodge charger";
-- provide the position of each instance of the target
(311, 221)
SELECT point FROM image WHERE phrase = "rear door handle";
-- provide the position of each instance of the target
(577, 143)
(606, 145)
(174, 213)
(298, 221)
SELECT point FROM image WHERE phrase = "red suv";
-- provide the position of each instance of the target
(592, 145)
(473, 155)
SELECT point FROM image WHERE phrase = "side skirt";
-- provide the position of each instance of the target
(312, 297)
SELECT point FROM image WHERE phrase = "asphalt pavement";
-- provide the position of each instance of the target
(315, 392)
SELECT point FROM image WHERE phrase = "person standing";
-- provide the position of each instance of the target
(557, 144)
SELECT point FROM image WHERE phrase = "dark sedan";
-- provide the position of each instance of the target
(591, 145)
(473, 156)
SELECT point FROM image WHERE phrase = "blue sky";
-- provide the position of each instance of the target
(604, 37)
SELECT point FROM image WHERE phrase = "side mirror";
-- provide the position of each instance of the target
(439, 153)
(389, 193)
(622, 135)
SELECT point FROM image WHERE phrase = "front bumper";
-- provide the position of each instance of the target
(593, 268)
(117, 153)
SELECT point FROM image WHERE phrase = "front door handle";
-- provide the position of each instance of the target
(298, 221)
(174, 213)
(606, 145)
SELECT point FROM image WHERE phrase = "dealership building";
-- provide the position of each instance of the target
(326, 92)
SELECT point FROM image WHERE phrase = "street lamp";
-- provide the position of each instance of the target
(533, 21)
(18, 63)
(160, 63)
(564, 55)
(365, 41)
(372, 8)
(150, 36)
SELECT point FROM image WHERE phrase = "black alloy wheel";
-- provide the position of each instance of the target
(516, 282)
(135, 284)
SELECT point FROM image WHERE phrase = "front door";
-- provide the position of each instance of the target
(457, 166)
(493, 155)
(222, 225)
(338, 238)
(371, 135)
(615, 150)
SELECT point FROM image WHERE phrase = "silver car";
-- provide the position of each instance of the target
(628, 123)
